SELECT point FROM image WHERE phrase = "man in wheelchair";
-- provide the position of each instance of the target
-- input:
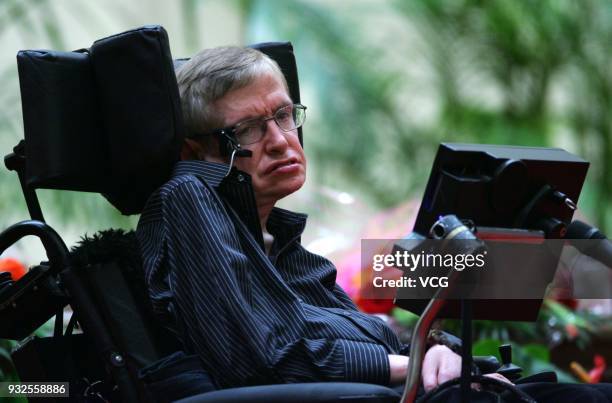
(225, 268)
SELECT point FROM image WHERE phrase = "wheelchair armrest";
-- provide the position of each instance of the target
(344, 392)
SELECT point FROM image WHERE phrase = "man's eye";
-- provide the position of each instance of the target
(248, 131)
(284, 115)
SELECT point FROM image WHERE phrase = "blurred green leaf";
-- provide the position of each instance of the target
(567, 316)
(537, 352)
(486, 347)
(404, 318)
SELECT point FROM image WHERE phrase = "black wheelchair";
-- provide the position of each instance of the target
(107, 119)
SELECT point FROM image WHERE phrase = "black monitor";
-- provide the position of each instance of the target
(501, 188)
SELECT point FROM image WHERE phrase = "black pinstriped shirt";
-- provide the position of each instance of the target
(252, 318)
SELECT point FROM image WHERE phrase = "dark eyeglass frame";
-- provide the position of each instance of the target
(232, 130)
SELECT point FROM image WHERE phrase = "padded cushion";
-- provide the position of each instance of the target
(64, 140)
(141, 112)
(105, 120)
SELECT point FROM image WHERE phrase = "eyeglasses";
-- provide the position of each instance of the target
(251, 131)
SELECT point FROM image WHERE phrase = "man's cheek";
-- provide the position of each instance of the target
(244, 164)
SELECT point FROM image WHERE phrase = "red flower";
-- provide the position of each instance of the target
(13, 266)
(375, 305)
(571, 303)
(600, 367)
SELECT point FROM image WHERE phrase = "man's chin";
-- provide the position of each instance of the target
(292, 188)
(284, 189)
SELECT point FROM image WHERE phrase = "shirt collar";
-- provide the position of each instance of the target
(237, 190)
(286, 225)
(212, 172)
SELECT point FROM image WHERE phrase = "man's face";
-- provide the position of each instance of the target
(278, 165)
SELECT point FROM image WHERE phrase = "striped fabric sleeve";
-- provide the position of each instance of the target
(307, 360)
(344, 298)
(404, 349)
(366, 362)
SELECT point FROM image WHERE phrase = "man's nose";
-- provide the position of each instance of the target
(275, 138)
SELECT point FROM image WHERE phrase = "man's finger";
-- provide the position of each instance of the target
(429, 373)
(446, 374)
(499, 377)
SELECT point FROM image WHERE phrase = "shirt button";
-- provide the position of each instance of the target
(240, 178)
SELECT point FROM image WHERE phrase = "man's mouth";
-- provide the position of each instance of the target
(281, 166)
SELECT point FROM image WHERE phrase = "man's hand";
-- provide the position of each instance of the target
(399, 368)
(440, 364)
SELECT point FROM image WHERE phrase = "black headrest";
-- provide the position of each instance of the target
(107, 119)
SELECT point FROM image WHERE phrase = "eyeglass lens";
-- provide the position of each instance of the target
(287, 118)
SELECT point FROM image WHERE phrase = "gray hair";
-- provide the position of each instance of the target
(210, 75)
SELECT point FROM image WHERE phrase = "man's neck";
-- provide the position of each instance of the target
(264, 210)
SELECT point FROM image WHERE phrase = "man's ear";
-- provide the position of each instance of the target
(192, 150)
(201, 150)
